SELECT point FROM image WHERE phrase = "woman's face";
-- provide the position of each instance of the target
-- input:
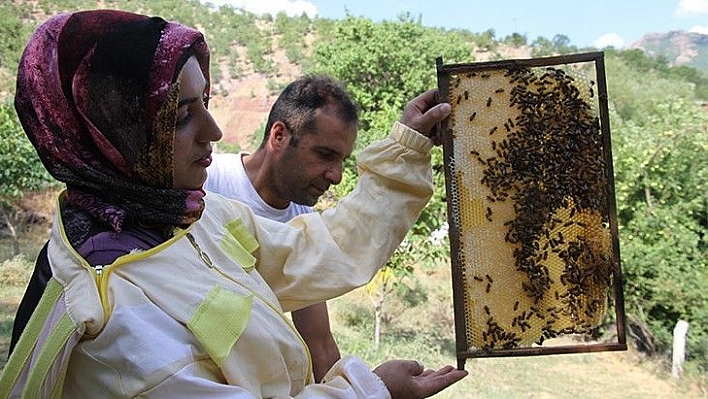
(195, 129)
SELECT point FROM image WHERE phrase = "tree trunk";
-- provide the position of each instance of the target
(13, 232)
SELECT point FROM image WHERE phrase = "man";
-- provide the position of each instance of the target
(311, 129)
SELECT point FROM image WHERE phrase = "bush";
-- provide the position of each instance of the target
(20, 167)
(16, 272)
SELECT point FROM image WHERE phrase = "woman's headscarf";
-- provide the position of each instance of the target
(97, 97)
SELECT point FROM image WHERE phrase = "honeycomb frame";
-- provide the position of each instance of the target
(531, 210)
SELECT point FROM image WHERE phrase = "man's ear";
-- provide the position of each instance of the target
(279, 136)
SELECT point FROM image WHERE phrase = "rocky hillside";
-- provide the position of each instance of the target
(679, 48)
(241, 105)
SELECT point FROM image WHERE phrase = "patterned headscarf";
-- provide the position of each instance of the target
(97, 96)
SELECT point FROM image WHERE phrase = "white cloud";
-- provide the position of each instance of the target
(691, 8)
(702, 29)
(290, 7)
(609, 40)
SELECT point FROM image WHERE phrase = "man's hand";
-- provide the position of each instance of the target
(409, 379)
(423, 112)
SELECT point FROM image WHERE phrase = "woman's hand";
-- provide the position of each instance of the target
(409, 379)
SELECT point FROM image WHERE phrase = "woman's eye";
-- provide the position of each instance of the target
(183, 119)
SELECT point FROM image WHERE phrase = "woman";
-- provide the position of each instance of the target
(158, 290)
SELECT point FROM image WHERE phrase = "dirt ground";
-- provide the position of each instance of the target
(244, 108)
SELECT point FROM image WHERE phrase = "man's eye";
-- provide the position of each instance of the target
(327, 155)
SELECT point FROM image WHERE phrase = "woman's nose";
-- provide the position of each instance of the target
(212, 131)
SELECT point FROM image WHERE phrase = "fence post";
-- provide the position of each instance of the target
(679, 350)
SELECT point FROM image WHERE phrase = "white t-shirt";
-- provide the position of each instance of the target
(227, 176)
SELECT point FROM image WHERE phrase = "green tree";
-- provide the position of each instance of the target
(541, 47)
(660, 138)
(20, 168)
(486, 40)
(515, 40)
(384, 65)
(292, 33)
(634, 85)
(561, 45)
(13, 35)
(662, 195)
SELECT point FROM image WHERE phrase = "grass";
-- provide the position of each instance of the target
(426, 332)
(422, 328)
(14, 274)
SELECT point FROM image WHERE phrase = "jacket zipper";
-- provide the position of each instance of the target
(201, 253)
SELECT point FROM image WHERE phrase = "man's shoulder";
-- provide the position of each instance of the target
(225, 175)
(225, 158)
(298, 209)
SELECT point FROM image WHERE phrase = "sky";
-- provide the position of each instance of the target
(598, 23)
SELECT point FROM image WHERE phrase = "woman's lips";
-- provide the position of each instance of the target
(204, 161)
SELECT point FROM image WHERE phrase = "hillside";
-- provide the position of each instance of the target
(678, 47)
(240, 105)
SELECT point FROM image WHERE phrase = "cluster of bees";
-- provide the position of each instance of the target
(530, 190)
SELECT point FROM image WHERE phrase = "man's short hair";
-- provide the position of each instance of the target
(297, 104)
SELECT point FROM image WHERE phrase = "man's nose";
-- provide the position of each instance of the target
(334, 173)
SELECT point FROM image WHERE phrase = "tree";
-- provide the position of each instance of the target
(541, 47)
(20, 168)
(486, 41)
(515, 40)
(661, 182)
(13, 35)
(561, 45)
(384, 65)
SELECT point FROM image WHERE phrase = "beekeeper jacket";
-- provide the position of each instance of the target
(202, 314)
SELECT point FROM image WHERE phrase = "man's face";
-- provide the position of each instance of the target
(305, 171)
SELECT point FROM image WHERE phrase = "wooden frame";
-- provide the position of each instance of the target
(448, 75)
